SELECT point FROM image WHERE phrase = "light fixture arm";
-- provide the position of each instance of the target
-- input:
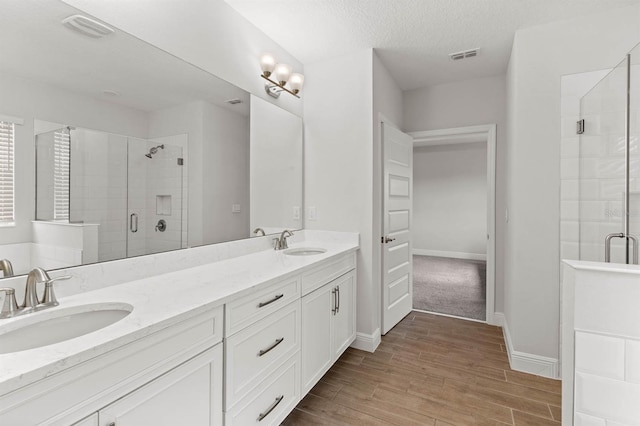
(279, 86)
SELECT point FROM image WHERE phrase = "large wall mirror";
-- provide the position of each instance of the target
(112, 148)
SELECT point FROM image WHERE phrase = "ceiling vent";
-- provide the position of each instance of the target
(87, 26)
(464, 54)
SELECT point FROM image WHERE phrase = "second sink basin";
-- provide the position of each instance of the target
(304, 251)
(49, 327)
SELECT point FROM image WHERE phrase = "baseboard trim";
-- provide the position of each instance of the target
(526, 362)
(497, 320)
(367, 342)
(451, 254)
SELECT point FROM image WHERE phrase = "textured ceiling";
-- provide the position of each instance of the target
(412, 37)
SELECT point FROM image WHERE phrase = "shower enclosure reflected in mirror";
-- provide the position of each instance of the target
(137, 151)
(112, 189)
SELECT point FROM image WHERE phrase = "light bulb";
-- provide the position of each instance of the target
(267, 63)
(295, 82)
(282, 71)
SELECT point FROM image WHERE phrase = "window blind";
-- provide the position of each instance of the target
(7, 137)
(61, 172)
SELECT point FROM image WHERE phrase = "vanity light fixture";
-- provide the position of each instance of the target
(283, 77)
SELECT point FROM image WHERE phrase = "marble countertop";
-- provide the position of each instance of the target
(158, 302)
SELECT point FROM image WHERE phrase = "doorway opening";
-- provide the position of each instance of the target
(453, 226)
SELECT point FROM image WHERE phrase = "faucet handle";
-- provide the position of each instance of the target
(49, 296)
(10, 306)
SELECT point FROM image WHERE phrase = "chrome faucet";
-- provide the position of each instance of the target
(258, 231)
(31, 301)
(6, 268)
(281, 243)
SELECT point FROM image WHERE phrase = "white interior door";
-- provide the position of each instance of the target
(397, 275)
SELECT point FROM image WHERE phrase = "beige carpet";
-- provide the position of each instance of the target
(450, 286)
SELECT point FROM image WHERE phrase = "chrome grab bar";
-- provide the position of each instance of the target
(607, 246)
(131, 218)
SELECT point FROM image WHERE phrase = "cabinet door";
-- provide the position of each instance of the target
(344, 320)
(316, 350)
(190, 394)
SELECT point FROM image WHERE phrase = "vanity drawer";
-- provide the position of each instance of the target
(272, 401)
(252, 354)
(249, 309)
(320, 275)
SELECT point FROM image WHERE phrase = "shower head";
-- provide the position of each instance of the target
(153, 150)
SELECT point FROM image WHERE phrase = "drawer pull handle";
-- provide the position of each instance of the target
(270, 348)
(338, 304)
(263, 304)
(334, 308)
(271, 408)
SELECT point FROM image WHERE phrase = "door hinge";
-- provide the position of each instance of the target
(580, 126)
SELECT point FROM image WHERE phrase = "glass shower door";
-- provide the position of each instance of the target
(634, 152)
(602, 164)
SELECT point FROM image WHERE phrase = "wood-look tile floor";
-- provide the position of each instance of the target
(430, 370)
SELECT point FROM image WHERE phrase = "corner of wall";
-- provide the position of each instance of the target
(526, 362)
(367, 342)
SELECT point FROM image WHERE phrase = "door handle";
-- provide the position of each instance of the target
(133, 222)
(387, 239)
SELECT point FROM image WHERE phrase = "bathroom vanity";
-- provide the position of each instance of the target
(235, 342)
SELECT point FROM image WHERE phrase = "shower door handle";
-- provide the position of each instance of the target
(133, 222)
(607, 246)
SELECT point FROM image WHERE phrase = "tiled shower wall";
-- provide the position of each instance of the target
(99, 188)
(602, 327)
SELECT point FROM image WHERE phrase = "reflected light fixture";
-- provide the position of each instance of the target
(279, 76)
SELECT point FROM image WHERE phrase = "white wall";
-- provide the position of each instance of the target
(207, 33)
(540, 56)
(275, 168)
(338, 129)
(467, 103)
(225, 175)
(450, 200)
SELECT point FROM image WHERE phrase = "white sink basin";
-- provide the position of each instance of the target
(304, 251)
(49, 327)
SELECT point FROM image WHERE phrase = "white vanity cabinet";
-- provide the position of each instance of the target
(247, 361)
(262, 355)
(328, 318)
(190, 394)
(152, 377)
